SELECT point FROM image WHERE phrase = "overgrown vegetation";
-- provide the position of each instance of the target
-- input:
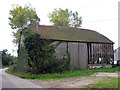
(41, 57)
(20, 18)
(7, 59)
(68, 74)
(35, 55)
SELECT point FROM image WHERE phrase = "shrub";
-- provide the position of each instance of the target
(7, 59)
(55, 65)
(41, 58)
(12, 68)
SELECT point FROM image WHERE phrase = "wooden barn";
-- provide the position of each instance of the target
(87, 48)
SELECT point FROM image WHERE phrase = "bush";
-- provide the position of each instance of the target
(12, 68)
(7, 59)
(55, 66)
(41, 58)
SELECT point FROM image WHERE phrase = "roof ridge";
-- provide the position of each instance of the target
(75, 34)
(67, 27)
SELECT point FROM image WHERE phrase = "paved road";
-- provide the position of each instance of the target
(11, 81)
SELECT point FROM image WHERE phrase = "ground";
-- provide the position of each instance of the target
(79, 82)
(11, 81)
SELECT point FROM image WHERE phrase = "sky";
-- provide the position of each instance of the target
(97, 15)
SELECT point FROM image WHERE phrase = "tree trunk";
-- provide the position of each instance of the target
(22, 55)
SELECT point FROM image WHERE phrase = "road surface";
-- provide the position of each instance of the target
(11, 81)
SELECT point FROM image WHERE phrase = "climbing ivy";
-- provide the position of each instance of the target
(37, 55)
(22, 63)
(41, 57)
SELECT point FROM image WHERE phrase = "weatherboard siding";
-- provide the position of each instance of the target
(78, 53)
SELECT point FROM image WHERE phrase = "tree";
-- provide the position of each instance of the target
(59, 17)
(65, 18)
(7, 59)
(20, 18)
(75, 20)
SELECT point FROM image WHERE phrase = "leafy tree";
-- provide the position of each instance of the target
(20, 18)
(59, 17)
(75, 20)
(7, 59)
(67, 18)
(16, 36)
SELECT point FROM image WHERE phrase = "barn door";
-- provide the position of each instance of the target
(83, 56)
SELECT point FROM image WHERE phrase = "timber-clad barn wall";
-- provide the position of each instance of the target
(78, 53)
(100, 53)
(86, 47)
(83, 55)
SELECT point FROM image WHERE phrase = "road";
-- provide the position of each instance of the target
(11, 81)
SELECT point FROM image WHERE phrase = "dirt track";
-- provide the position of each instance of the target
(80, 82)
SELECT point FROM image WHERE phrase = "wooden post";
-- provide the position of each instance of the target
(102, 54)
(112, 55)
(98, 53)
(109, 52)
(90, 53)
(93, 54)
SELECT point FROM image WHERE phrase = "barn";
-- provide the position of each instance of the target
(87, 48)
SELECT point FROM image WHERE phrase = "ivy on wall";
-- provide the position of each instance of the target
(37, 55)
(22, 63)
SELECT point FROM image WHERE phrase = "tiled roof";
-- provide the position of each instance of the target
(69, 34)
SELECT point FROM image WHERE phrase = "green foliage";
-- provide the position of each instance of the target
(38, 51)
(21, 16)
(26, 32)
(65, 18)
(106, 83)
(41, 58)
(68, 74)
(22, 60)
(22, 53)
(16, 36)
(13, 68)
(59, 17)
(7, 59)
(75, 20)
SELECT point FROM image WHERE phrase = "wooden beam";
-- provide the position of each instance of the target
(93, 55)
(102, 54)
(112, 55)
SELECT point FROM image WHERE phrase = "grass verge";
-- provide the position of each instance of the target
(75, 73)
(106, 83)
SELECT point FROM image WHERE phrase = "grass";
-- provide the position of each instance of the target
(106, 83)
(75, 73)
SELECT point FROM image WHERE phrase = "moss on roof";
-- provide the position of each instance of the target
(69, 34)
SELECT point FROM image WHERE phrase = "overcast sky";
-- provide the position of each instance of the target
(98, 15)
